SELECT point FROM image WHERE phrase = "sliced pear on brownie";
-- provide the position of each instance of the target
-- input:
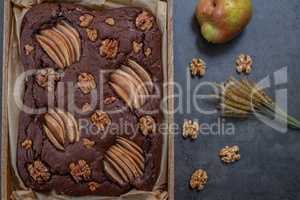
(113, 173)
(69, 125)
(52, 51)
(141, 93)
(73, 35)
(60, 42)
(122, 93)
(143, 74)
(52, 138)
(128, 87)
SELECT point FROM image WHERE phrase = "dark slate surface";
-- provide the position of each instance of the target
(269, 168)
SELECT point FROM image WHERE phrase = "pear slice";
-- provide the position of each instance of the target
(112, 173)
(140, 92)
(58, 118)
(130, 162)
(55, 128)
(71, 48)
(121, 93)
(117, 168)
(138, 161)
(60, 43)
(131, 148)
(143, 74)
(72, 118)
(139, 149)
(128, 87)
(133, 74)
(73, 35)
(117, 158)
(52, 138)
(70, 127)
(50, 48)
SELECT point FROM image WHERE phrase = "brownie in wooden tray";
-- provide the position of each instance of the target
(92, 100)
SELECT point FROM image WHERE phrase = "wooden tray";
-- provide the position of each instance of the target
(7, 178)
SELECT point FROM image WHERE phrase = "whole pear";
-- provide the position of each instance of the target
(223, 20)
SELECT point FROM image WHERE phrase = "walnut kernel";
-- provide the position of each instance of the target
(230, 154)
(144, 21)
(86, 107)
(46, 78)
(39, 172)
(137, 47)
(100, 119)
(86, 20)
(88, 143)
(109, 100)
(27, 144)
(147, 125)
(244, 64)
(110, 21)
(92, 34)
(198, 67)
(148, 52)
(93, 186)
(86, 82)
(191, 129)
(80, 171)
(28, 49)
(198, 179)
(109, 48)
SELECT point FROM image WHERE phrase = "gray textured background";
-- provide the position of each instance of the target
(269, 168)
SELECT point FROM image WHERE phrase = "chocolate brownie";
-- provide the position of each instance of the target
(90, 123)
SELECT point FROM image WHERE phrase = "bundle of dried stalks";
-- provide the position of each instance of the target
(242, 98)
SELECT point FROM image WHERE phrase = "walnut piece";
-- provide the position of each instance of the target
(46, 78)
(80, 171)
(86, 108)
(198, 179)
(244, 64)
(93, 186)
(191, 129)
(27, 144)
(100, 119)
(39, 172)
(147, 125)
(92, 34)
(109, 48)
(28, 49)
(144, 21)
(109, 100)
(198, 67)
(88, 143)
(86, 20)
(86, 82)
(110, 21)
(148, 52)
(137, 47)
(230, 154)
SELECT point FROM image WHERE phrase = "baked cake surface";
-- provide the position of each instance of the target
(97, 85)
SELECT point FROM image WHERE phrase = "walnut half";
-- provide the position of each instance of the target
(144, 21)
(80, 171)
(244, 64)
(86, 20)
(39, 172)
(109, 48)
(230, 154)
(147, 125)
(92, 34)
(100, 119)
(191, 129)
(198, 179)
(86, 82)
(198, 67)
